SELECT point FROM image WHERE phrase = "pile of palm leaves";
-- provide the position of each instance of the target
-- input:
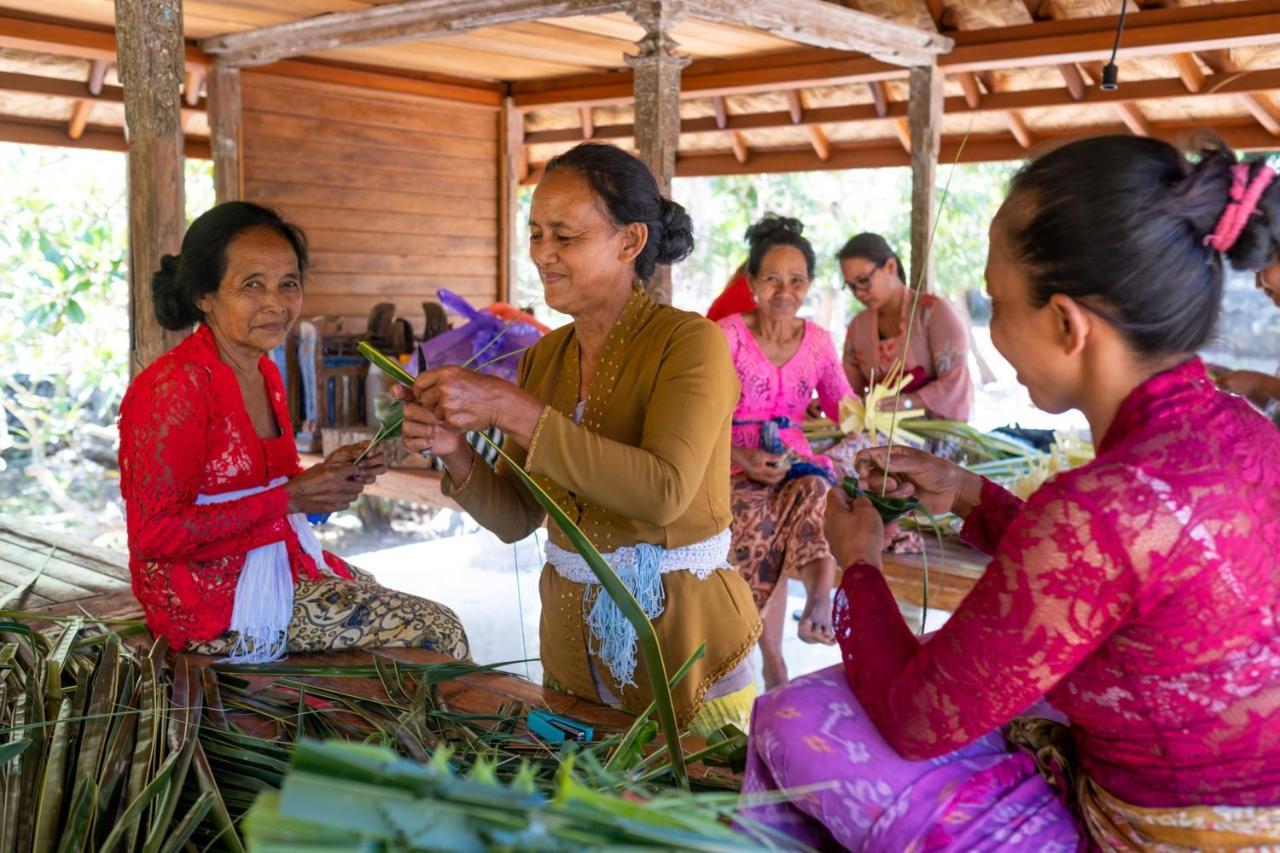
(109, 744)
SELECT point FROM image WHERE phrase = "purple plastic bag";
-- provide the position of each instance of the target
(460, 345)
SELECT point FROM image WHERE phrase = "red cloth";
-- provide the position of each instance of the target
(736, 298)
(1139, 592)
(185, 431)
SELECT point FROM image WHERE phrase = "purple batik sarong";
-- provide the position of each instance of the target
(812, 732)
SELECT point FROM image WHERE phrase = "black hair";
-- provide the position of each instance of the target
(183, 278)
(870, 247)
(1119, 223)
(774, 230)
(630, 194)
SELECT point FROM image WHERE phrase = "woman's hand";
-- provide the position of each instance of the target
(854, 529)
(904, 472)
(814, 410)
(462, 400)
(368, 469)
(761, 466)
(1249, 384)
(327, 487)
(899, 403)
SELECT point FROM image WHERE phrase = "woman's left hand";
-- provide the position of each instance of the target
(371, 466)
(888, 404)
(463, 400)
(854, 529)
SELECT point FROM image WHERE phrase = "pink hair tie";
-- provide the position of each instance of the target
(1244, 201)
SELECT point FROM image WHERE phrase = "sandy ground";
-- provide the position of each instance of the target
(493, 587)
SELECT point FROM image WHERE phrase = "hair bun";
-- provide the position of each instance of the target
(676, 241)
(1258, 244)
(173, 306)
(772, 224)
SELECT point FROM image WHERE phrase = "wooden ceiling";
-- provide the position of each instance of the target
(514, 52)
(1023, 73)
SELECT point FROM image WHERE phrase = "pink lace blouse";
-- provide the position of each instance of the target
(1140, 592)
(770, 392)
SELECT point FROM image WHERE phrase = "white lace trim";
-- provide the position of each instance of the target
(700, 559)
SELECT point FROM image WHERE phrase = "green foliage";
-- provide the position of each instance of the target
(64, 324)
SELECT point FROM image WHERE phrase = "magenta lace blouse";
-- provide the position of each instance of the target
(1140, 592)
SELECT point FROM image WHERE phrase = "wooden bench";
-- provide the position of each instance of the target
(75, 573)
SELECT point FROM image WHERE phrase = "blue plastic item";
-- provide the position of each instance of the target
(556, 729)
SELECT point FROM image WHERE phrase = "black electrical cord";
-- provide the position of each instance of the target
(1110, 73)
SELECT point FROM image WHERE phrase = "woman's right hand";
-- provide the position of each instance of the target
(760, 465)
(423, 433)
(324, 488)
(902, 472)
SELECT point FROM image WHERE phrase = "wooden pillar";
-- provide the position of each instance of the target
(657, 95)
(150, 54)
(513, 169)
(224, 132)
(925, 116)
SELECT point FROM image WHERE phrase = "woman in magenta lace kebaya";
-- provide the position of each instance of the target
(1137, 594)
(779, 487)
(222, 556)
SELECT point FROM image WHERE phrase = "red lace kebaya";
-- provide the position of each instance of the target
(185, 431)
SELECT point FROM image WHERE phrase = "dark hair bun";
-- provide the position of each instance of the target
(1258, 245)
(773, 225)
(676, 242)
(773, 230)
(174, 307)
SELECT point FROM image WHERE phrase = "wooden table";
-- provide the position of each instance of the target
(953, 571)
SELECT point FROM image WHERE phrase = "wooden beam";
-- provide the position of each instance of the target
(68, 40)
(925, 109)
(969, 85)
(821, 145)
(1189, 71)
(1018, 127)
(1134, 119)
(1264, 110)
(513, 168)
(455, 90)
(879, 97)
(79, 118)
(96, 137)
(656, 69)
(740, 150)
(827, 25)
(795, 106)
(391, 23)
(721, 110)
(1184, 28)
(226, 132)
(902, 128)
(149, 59)
(192, 85)
(588, 123)
(68, 90)
(1138, 91)
(98, 76)
(1074, 79)
(978, 148)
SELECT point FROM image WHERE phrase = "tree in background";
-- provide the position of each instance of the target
(64, 335)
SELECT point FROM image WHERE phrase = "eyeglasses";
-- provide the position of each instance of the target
(863, 282)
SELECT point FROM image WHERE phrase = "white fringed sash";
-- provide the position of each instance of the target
(264, 594)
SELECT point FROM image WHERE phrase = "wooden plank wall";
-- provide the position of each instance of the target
(398, 194)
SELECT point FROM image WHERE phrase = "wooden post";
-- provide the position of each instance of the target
(150, 55)
(224, 131)
(925, 116)
(657, 95)
(512, 170)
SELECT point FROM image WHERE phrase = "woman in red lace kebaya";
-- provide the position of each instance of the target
(222, 557)
(1138, 594)
(779, 487)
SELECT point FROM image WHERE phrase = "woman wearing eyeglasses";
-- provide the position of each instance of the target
(937, 348)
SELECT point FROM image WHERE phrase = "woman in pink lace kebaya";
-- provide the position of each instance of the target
(779, 486)
(1138, 594)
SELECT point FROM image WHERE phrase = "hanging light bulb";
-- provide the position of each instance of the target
(1111, 73)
